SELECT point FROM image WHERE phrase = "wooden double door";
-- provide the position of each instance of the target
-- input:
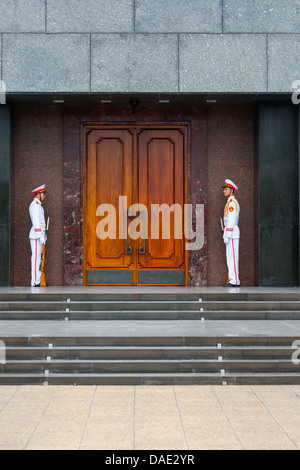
(134, 186)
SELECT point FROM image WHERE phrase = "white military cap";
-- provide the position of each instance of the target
(40, 189)
(230, 184)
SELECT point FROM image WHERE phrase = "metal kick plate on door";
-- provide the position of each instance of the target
(163, 276)
(109, 276)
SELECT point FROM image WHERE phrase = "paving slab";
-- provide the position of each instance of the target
(149, 417)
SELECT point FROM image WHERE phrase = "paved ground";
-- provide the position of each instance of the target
(144, 417)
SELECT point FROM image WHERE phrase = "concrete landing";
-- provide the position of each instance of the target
(145, 328)
(289, 328)
(148, 289)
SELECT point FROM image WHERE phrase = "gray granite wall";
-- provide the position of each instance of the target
(150, 45)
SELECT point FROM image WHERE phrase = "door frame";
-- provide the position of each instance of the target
(90, 126)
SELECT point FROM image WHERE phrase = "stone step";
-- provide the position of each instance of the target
(166, 294)
(151, 305)
(51, 342)
(150, 352)
(149, 366)
(141, 349)
(98, 305)
(152, 379)
(137, 306)
(150, 315)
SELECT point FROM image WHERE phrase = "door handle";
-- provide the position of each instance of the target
(142, 249)
(128, 247)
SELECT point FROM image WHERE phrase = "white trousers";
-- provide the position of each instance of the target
(232, 258)
(36, 249)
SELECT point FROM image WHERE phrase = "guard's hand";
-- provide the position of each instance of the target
(226, 240)
(43, 241)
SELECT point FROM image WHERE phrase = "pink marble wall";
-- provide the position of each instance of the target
(37, 150)
(47, 148)
(231, 149)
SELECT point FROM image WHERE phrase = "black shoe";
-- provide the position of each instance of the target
(36, 285)
(231, 285)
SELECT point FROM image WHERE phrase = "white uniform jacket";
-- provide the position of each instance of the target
(37, 216)
(231, 218)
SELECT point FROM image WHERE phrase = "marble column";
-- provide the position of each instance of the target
(278, 151)
(5, 152)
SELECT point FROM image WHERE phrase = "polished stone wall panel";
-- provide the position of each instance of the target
(5, 162)
(134, 63)
(209, 46)
(93, 16)
(284, 63)
(278, 152)
(44, 63)
(279, 248)
(48, 149)
(19, 17)
(222, 63)
(178, 16)
(261, 16)
(231, 154)
(37, 160)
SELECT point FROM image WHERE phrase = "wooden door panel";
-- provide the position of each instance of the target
(108, 176)
(147, 165)
(161, 181)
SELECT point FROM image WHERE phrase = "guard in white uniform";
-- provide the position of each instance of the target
(37, 233)
(231, 233)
